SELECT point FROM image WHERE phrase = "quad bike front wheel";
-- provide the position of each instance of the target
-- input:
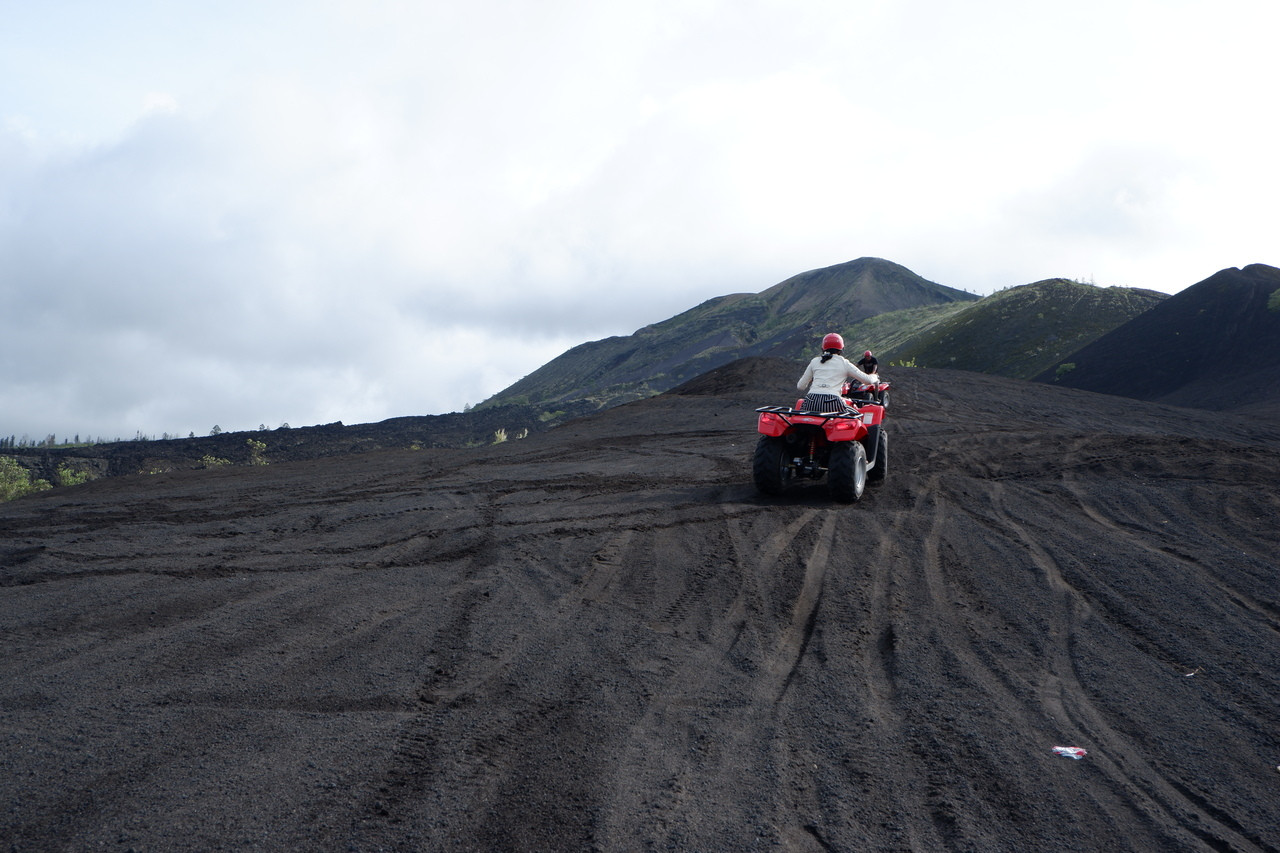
(770, 468)
(847, 471)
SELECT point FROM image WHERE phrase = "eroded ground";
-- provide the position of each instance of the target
(603, 638)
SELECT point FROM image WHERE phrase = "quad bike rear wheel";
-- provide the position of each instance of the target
(847, 471)
(770, 468)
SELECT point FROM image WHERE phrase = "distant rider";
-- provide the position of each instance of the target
(824, 378)
(869, 364)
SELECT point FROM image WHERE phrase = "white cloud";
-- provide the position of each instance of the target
(312, 212)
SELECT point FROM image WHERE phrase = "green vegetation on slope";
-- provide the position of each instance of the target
(1018, 332)
(884, 333)
(1023, 331)
(786, 320)
(16, 480)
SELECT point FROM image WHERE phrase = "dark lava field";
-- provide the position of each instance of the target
(602, 638)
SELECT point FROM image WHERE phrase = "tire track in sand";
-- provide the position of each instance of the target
(1064, 699)
(743, 654)
(432, 748)
(1263, 612)
(790, 649)
(895, 554)
(1057, 703)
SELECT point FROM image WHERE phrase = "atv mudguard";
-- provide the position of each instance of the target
(777, 421)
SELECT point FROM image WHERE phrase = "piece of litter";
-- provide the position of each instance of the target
(1071, 752)
(1194, 671)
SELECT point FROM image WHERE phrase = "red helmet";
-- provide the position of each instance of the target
(867, 354)
(833, 341)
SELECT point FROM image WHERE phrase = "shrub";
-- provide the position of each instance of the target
(68, 476)
(16, 481)
(1063, 370)
(256, 449)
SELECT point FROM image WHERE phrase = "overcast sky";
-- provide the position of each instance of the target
(245, 213)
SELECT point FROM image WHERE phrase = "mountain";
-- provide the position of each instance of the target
(1215, 345)
(1035, 330)
(602, 638)
(786, 320)
(873, 302)
(1022, 331)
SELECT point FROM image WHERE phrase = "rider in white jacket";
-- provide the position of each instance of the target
(826, 374)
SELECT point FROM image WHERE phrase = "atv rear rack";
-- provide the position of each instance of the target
(787, 410)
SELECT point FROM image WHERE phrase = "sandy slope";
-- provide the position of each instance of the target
(602, 638)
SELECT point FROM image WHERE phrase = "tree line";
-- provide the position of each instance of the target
(51, 441)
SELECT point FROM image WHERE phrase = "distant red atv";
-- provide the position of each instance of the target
(850, 447)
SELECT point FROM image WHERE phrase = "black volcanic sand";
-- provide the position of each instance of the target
(602, 638)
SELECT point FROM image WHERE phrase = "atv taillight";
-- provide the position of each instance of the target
(772, 424)
(844, 429)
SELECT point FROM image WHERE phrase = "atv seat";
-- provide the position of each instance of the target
(826, 406)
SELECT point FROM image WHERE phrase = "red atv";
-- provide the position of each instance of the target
(850, 447)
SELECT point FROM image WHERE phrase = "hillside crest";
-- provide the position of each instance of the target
(1022, 331)
(783, 320)
(1213, 345)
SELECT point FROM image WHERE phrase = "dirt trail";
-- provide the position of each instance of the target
(603, 638)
